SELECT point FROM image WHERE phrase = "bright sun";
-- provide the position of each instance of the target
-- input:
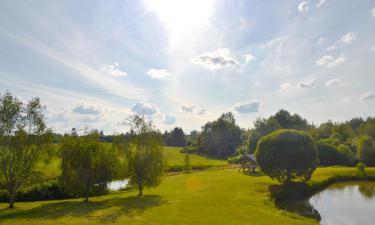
(182, 16)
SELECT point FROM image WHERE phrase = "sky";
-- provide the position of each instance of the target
(185, 62)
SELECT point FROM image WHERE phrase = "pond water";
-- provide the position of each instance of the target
(346, 204)
(117, 185)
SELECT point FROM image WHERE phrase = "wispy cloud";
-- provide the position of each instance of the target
(307, 84)
(113, 70)
(367, 96)
(320, 3)
(286, 86)
(248, 107)
(331, 61)
(303, 6)
(86, 110)
(249, 58)
(158, 73)
(348, 38)
(218, 59)
(333, 82)
(143, 108)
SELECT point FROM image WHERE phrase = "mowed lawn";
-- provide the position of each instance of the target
(208, 197)
(176, 159)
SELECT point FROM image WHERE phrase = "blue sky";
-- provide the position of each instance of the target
(183, 63)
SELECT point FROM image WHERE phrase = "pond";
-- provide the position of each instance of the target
(346, 204)
(117, 185)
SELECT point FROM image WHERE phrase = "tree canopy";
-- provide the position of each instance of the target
(287, 155)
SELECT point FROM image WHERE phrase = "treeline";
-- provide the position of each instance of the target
(87, 166)
(338, 143)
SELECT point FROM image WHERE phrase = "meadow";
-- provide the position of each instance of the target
(205, 197)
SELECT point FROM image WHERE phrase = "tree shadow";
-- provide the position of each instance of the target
(115, 207)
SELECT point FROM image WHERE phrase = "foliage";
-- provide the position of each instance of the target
(346, 155)
(328, 154)
(366, 150)
(175, 138)
(23, 139)
(220, 138)
(147, 162)
(187, 166)
(287, 155)
(361, 168)
(86, 166)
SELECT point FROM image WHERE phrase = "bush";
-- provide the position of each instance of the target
(366, 150)
(346, 155)
(361, 169)
(328, 154)
(287, 155)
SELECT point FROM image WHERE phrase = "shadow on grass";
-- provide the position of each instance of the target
(254, 173)
(112, 208)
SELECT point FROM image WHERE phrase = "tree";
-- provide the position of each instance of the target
(288, 121)
(175, 138)
(346, 155)
(287, 155)
(147, 163)
(187, 166)
(366, 150)
(220, 138)
(328, 154)
(86, 166)
(23, 137)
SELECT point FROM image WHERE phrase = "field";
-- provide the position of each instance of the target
(207, 197)
(174, 157)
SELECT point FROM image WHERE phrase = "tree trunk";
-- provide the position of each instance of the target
(11, 200)
(140, 191)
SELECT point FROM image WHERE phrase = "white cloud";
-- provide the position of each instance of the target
(303, 6)
(373, 49)
(143, 108)
(330, 61)
(248, 107)
(158, 73)
(285, 86)
(188, 109)
(215, 60)
(367, 96)
(249, 58)
(331, 48)
(373, 12)
(333, 82)
(113, 69)
(321, 2)
(307, 84)
(86, 110)
(168, 119)
(321, 40)
(201, 112)
(349, 37)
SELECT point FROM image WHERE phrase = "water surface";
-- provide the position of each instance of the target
(346, 204)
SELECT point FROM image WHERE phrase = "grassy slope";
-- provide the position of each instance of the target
(208, 197)
(173, 155)
(175, 159)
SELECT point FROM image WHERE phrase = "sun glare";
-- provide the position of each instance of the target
(181, 16)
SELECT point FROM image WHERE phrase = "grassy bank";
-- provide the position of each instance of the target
(207, 197)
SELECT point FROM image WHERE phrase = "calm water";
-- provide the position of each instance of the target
(346, 204)
(117, 185)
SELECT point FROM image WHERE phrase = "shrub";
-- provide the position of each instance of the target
(346, 155)
(287, 155)
(328, 154)
(361, 169)
(366, 150)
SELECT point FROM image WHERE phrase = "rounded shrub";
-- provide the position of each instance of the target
(287, 155)
(328, 154)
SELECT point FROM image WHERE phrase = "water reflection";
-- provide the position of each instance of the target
(117, 185)
(346, 204)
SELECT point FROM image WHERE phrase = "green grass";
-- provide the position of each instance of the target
(176, 160)
(207, 197)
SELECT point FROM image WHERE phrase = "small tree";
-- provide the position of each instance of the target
(187, 166)
(86, 166)
(346, 155)
(366, 150)
(147, 163)
(23, 137)
(287, 155)
(361, 169)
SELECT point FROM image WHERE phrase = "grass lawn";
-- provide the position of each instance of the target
(206, 197)
(176, 159)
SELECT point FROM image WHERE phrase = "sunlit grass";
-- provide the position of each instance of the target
(207, 197)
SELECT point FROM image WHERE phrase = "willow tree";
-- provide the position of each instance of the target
(86, 165)
(146, 161)
(23, 137)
